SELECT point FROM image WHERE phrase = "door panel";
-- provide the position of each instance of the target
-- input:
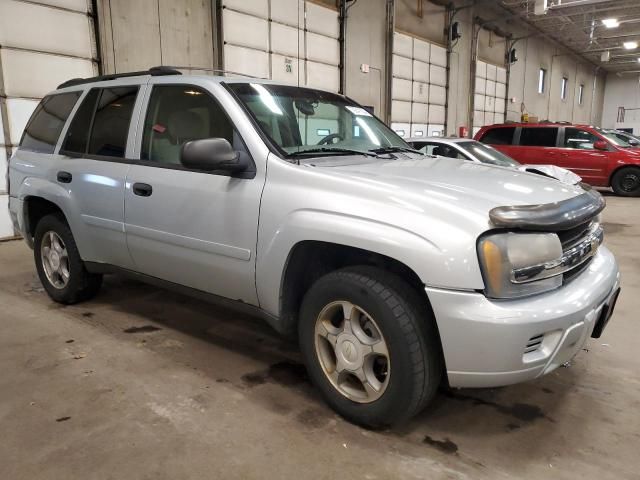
(578, 155)
(195, 229)
(95, 171)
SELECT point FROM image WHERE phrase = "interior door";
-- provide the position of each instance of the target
(578, 155)
(192, 228)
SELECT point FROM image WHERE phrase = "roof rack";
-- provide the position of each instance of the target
(153, 71)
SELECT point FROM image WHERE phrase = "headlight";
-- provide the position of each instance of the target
(513, 263)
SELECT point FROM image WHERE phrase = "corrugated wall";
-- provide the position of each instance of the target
(42, 43)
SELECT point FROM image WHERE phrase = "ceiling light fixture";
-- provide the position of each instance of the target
(610, 22)
(630, 45)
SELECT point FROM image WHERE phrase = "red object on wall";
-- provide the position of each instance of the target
(463, 131)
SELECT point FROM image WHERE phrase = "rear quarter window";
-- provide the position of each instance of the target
(43, 130)
(499, 136)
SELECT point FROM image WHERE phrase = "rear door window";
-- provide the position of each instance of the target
(43, 130)
(499, 136)
(111, 121)
(539, 136)
(101, 124)
(78, 132)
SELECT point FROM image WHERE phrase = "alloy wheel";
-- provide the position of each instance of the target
(55, 260)
(352, 351)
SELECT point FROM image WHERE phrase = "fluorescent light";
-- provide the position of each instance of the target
(630, 45)
(639, 59)
(610, 22)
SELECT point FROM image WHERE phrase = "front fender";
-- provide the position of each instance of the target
(418, 253)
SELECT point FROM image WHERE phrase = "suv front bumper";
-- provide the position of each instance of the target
(489, 343)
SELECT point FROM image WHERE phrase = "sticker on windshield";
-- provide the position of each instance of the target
(361, 112)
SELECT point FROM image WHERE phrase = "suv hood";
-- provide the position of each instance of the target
(432, 184)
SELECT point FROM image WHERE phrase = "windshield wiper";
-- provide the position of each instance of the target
(370, 153)
(392, 149)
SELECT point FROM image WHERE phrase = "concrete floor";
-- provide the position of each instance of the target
(141, 383)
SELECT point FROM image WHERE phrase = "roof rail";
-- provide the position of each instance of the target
(153, 71)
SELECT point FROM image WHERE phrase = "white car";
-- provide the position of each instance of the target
(467, 149)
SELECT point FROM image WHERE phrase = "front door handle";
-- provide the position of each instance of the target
(142, 189)
(64, 177)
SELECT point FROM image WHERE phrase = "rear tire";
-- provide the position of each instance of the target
(60, 268)
(626, 182)
(387, 365)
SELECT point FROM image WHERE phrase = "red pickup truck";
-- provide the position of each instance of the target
(599, 156)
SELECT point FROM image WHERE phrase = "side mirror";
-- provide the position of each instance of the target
(600, 145)
(211, 154)
(633, 143)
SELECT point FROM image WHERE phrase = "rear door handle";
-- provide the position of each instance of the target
(142, 189)
(64, 177)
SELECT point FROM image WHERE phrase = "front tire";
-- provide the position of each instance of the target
(626, 182)
(60, 268)
(370, 345)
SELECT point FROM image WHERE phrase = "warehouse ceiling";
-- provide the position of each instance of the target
(581, 27)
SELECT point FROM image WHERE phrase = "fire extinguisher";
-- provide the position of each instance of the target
(463, 131)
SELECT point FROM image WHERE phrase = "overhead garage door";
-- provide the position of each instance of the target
(42, 44)
(419, 87)
(490, 94)
(293, 41)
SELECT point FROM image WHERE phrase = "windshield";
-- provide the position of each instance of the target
(622, 139)
(615, 137)
(487, 154)
(300, 120)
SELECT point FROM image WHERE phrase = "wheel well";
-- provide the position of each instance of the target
(310, 260)
(623, 167)
(35, 209)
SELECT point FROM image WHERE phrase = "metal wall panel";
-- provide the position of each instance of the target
(246, 60)
(320, 75)
(323, 49)
(289, 12)
(245, 30)
(401, 112)
(423, 63)
(259, 8)
(287, 69)
(18, 112)
(298, 39)
(6, 227)
(420, 92)
(401, 89)
(33, 75)
(322, 20)
(286, 40)
(76, 5)
(31, 26)
(402, 45)
(490, 92)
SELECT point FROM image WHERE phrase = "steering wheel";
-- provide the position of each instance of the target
(329, 139)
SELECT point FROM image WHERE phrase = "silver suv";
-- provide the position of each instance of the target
(396, 271)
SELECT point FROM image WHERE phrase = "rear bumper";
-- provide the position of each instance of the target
(484, 341)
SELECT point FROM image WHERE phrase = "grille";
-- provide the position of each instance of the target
(570, 237)
(534, 343)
